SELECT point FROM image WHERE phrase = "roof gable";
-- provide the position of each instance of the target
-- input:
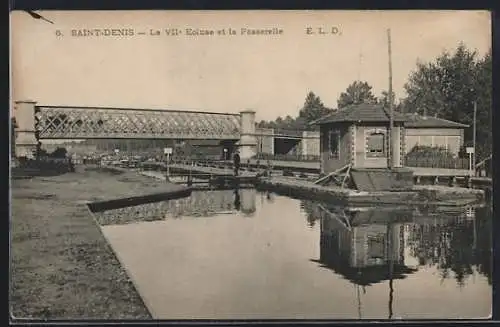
(367, 112)
(414, 120)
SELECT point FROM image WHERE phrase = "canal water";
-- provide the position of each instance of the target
(249, 255)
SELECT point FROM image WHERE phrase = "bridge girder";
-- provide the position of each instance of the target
(108, 123)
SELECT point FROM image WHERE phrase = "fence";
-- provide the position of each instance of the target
(60, 165)
(287, 157)
(287, 132)
(437, 162)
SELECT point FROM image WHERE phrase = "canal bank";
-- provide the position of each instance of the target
(62, 267)
(305, 188)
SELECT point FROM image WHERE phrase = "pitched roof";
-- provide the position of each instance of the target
(418, 121)
(365, 112)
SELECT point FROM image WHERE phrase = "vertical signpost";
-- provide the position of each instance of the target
(470, 152)
(167, 152)
(225, 158)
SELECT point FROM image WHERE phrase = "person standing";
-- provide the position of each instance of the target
(236, 162)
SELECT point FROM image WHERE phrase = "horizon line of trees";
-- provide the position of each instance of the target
(448, 87)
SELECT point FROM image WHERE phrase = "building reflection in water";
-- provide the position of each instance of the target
(237, 200)
(247, 199)
(199, 204)
(373, 245)
(209, 203)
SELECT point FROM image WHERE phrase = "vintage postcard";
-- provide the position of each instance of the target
(251, 165)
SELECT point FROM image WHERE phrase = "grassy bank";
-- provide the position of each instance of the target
(61, 265)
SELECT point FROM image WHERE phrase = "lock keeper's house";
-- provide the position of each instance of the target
(358, 136)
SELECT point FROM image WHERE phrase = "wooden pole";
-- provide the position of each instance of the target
(391, 268)
(474, 139)
(391, 118)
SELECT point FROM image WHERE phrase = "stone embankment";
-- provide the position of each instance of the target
(421, 194)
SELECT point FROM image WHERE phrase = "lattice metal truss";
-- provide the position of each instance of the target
(86, 123)
(199, 204)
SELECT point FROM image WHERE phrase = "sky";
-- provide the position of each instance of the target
(270, 74)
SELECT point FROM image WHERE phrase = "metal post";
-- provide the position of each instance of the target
(225, 159)
(470, 164)
(168, 167)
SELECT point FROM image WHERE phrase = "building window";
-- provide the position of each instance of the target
(334, 144)
(376, 247)
(375, 144)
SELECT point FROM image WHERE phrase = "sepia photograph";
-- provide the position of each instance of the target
(250, 165)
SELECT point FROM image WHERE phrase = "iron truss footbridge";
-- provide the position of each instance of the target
(56, 122)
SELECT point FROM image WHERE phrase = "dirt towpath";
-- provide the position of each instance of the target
(61, 265)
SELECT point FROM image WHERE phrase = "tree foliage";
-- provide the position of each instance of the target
(449, 86)
(356, 93)
(59, 153)
(312, 110)
(384, 98)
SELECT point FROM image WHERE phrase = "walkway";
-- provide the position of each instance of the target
(315, 166)
(212, 170)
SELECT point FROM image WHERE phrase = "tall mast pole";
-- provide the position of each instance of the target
(474, 139)
(391, 118)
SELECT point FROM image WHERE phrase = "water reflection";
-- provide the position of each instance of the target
(305, 260)
(199, 204)
(371, 245)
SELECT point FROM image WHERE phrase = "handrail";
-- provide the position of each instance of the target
(482, 162)
(286, 157)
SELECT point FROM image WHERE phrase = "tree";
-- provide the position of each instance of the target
(384, 99)
(449, 86)
(397, 106)
(356, 93)
(313, 108)
(288, 122)
(444, 87)
(300, 123)
(59, 153)
(263, 124)
(484, 104)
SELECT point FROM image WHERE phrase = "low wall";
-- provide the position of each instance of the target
(419, 195)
